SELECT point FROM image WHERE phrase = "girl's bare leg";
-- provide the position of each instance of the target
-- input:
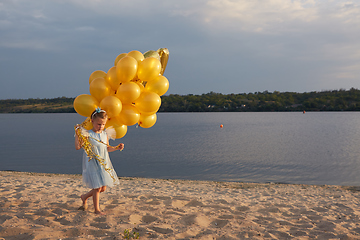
(95, 193)
(96, 196)
(85, 197)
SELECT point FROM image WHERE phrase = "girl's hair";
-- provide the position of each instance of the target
(99, 113)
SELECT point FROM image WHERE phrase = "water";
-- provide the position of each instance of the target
(311, 148)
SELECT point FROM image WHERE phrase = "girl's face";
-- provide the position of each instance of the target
(98, 124)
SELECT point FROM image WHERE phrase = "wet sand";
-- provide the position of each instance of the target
(45, 206)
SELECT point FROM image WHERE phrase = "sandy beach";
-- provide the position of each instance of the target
(45, 206)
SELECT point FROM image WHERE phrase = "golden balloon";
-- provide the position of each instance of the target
(126, 69)
(137, 55)
(121, 131)
(149, 69)
(147, 121)
(141, 85)
(96, 74)
(120, 56)
(159, 86)
(112, 79)
(148, 102)
(99, 88)
(164, 57)
(85, 104)
(112, 105)
(112, 122)
(129, 115)
(128, 92)
(119, 128)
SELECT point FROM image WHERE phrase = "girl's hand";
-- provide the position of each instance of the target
(120, 147)
(77, 126)
(78, 142)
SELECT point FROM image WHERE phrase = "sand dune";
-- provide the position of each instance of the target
(45, 206)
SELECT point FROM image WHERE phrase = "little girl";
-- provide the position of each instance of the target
(97, 172)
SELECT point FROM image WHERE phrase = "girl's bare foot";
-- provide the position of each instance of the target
(83, 199)
(100, 213)
(84, 206)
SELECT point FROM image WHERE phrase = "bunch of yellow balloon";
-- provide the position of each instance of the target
(129, 91)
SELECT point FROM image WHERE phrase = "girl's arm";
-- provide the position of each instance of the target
(113, 149)
(77, 143)
(118, 147)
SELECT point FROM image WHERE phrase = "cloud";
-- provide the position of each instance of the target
(215, 45)
(348, 11)
(257, 16)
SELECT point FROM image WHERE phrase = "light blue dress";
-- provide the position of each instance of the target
(94, 174)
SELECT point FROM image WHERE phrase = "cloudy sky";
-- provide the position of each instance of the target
(48, 49)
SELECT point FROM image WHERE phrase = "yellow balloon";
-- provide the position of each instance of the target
(120, 56)
(147, 121)
(88, 124)
(120, 129)
(141, 85)
(126, 69)
(112, 122)
(164, 57)
(96, 74)
(112, 105)
(159, 86)
(128, 92)
(137, 55)
(149, 113)
(112, 79)
(148, 102)
(85, 104)
(129, 115)
(149, 69)
(99, 88)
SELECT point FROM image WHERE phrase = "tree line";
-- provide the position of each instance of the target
(31, 105)
(335, 100)
(332, 100)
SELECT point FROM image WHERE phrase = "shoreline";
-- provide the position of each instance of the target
(345, 187)
(45, 205)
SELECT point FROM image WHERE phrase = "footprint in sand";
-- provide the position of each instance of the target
(219, 223)
(63, 221)
(101, 225)
(178, 203)
(148, 219)
(60, 211)
(194, 203)
(3, 218)
(43, 221)
(188, 220)
(162, 230)
(135, 219)
(203, 221)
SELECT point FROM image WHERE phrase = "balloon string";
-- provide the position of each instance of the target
(103, 142)
(88, 148)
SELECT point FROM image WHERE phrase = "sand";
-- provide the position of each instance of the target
(45, 206)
